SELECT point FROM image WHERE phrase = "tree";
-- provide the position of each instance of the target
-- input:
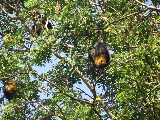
(129, 88)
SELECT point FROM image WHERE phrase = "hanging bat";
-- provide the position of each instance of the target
(100, 55)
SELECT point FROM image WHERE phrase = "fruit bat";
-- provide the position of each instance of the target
(10, 90)
(100, 55)
(39, 28)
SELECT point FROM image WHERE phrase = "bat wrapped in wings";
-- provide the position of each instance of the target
(100, 55)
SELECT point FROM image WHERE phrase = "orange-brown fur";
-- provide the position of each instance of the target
(100, 60)
(10, 90)
(11, 86)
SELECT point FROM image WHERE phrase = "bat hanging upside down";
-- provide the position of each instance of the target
(100, 55)
(10, 90)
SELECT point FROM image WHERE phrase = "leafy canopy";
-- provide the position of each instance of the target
(53, 73)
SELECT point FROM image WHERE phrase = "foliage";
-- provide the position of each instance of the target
(129, 88)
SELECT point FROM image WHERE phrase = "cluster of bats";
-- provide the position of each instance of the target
(99, 56)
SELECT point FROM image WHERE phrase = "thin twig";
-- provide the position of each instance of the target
(3, 10)
(84, 92)
(124, 17)
(9, 5)
(149, 7)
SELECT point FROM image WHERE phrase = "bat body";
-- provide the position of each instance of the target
(39, 28)
(10, 90)
(100, 55)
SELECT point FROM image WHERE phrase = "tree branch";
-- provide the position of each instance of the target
(149, 7)
(124, 17)
(6, 3)
(3, 10)
(106, 108)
